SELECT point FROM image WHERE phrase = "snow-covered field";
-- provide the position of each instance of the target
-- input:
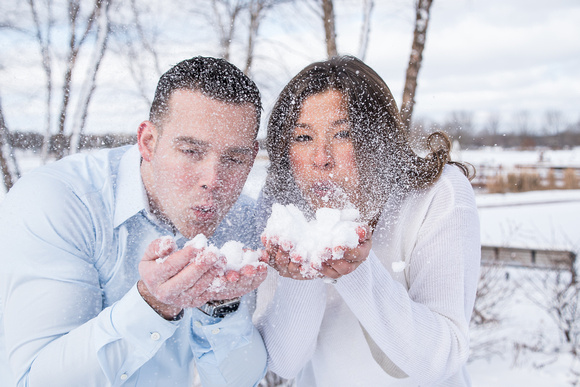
(524, 348)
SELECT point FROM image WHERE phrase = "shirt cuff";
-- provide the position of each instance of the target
(135, 321)
(213, 338)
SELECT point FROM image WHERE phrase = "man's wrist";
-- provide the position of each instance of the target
(221, 308)
(168, 312)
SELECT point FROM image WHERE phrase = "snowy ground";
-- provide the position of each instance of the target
(524, 348)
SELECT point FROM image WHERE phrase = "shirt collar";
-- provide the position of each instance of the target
(130, 197)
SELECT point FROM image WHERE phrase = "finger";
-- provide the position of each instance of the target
(191, 296)
(344, 267)
(207, 268)
(328, 271)
(159, 248)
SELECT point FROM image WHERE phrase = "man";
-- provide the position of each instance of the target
(87, 301)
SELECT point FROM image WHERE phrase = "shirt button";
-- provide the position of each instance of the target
(124, 377)
(155, 336)
(198, 324)
(216, 331)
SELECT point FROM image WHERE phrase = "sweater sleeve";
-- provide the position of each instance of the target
(423, 330)
(298, 307)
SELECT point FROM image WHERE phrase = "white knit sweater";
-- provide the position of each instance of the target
(419, 317)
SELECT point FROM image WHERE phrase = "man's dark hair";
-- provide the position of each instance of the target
(213, 77)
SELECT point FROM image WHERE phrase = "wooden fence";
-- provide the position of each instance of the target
(521, 177)
(530, 258)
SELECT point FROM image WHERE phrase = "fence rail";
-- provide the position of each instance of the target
(534, 176)
(530, 258)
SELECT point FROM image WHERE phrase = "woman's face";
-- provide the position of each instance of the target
(322, 155)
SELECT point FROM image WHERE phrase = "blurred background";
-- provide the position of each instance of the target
(501, 77)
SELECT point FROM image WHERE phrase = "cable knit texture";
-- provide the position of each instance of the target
(419, 317)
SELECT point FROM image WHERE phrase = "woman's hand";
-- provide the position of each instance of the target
(278, 255)
(338, 262)
(352, 258)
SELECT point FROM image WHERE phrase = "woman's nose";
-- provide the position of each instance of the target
(323, 157)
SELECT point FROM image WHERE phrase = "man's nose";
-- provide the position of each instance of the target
(323, 157)
(209, 174)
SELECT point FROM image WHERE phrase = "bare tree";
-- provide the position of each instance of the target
(368, 6)
(257, 12)
(8, 165)
(103, 25)
(43, 32)
(79, 30)
(422, 9)
(492, 127)
(226, 14)
(328, 21)
(553, 122)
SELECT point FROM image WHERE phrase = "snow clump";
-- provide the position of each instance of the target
(312, 242)
(234, 252)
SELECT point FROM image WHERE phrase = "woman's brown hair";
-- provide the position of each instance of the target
(386, 162)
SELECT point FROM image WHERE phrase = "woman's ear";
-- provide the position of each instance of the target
(146, 138)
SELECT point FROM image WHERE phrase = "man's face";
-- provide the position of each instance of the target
(195, 169)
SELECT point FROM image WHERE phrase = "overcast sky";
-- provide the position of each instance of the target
(485, 56)
(481, 56)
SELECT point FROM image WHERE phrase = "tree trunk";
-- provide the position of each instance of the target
(8, 165)
(255, 8)
(422, 8)
(329, 27)
(365, 28)
(44, 42)
(79, 121)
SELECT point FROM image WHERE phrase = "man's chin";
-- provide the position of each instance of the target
(191, 229)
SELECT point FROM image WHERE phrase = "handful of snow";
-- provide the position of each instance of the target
(312, 242)
(233, 252)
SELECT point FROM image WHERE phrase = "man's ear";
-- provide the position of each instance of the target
(147, 138)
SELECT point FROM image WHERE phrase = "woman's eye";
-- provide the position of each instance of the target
(343, 134)
(234, 160)
(302, 138)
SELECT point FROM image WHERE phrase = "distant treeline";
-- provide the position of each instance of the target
(469, 140)
(566, 139)
(33, 141)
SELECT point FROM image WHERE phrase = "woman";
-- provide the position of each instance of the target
(334, 139)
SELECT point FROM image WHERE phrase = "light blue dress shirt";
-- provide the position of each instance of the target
(72, 234)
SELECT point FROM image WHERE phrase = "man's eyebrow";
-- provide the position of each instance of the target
(191, 141)
(205, 144)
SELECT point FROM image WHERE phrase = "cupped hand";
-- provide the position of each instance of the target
(280, 256)
(345, 260)
(237, 283)
(174, 279)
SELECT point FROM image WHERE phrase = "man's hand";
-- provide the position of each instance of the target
(174, 279)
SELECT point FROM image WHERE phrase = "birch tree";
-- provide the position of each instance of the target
(368, 6)
(422, 9)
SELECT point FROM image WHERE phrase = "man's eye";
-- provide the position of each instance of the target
(302, 138)
(192, 152)
(343, 134)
